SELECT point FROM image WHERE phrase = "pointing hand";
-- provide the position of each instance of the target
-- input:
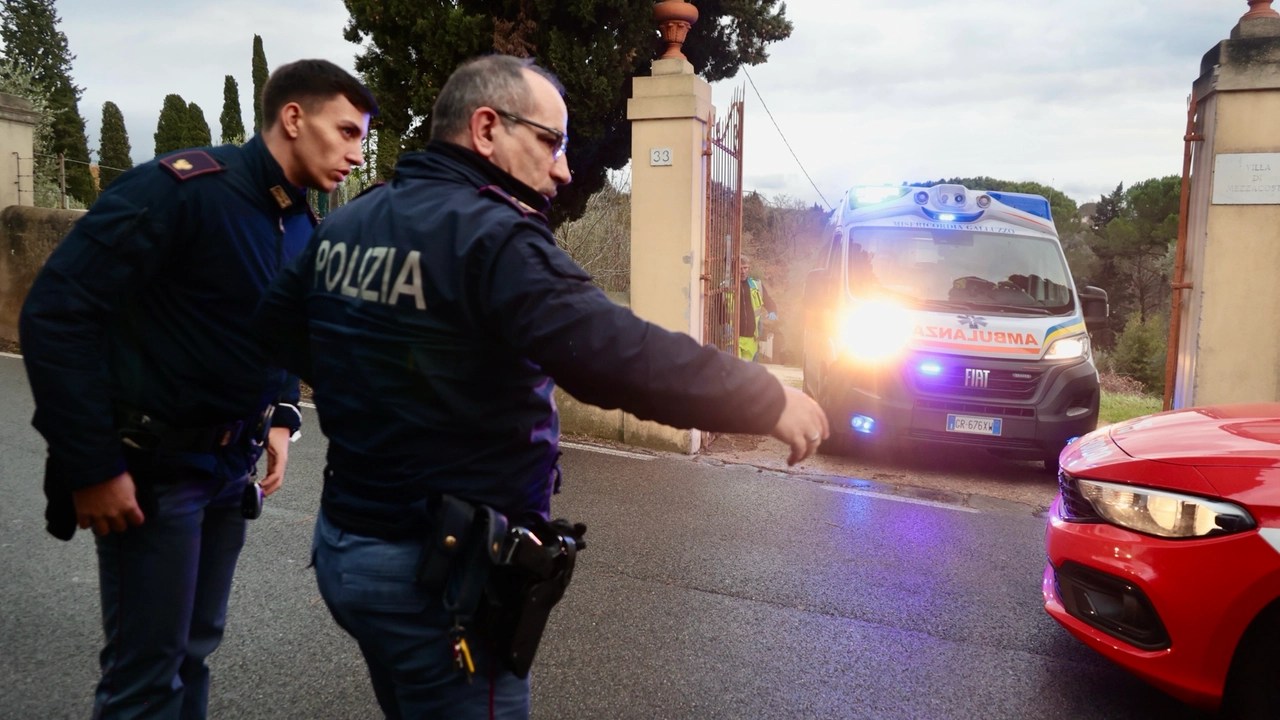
(803, 425)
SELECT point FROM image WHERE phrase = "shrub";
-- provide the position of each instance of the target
(1141, 350)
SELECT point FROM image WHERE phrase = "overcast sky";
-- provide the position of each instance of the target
(1081, 94)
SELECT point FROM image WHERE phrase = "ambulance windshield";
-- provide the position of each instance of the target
(960, 269)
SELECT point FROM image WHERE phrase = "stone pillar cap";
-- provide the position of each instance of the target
(1261, 21)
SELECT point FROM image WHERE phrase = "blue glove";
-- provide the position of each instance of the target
(771, 316)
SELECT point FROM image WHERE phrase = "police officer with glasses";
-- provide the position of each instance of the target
(433, 316)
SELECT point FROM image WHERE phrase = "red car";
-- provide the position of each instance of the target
(1164, 552)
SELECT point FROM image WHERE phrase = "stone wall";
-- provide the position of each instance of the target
(27, 236)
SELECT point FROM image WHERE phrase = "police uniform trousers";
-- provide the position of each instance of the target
(164, 587)
(404, 632)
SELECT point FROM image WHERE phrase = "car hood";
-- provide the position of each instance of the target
(1097, 456)
(1220, 435)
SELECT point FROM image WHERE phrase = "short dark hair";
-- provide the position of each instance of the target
(311, 83)
(495, 81)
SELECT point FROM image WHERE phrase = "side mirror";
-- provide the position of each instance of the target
(1093, 301)
(817, 289)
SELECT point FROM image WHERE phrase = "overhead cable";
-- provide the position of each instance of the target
(784, 137)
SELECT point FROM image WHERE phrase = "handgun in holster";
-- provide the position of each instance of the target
(537, 569)
(515, 575)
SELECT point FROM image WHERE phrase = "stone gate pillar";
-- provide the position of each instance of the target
(1229, 340)
(17, 131)
(668, 111)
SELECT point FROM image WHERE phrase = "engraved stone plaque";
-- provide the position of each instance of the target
(1247, 179)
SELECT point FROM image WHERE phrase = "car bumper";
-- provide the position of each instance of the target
(1064, 407)
(1204, 592)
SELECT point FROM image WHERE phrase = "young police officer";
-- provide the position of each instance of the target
(153, 396)
(430, 315)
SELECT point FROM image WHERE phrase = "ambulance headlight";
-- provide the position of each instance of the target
(1162, 513)
(1068, 348)
(874, 331)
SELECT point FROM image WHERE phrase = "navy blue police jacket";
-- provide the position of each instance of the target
(431, 314)
(145, 307)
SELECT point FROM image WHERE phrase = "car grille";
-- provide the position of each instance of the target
(1075, 507)
(1002, 384)
(1024, 412)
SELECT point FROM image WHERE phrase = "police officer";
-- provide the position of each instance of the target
(155, 399)
(430, 316)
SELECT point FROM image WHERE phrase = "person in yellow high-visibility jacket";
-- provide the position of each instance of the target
(754, 307)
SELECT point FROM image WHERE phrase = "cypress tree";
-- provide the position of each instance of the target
(232, 124)
(260, 74)
(114, 152)
(171, 130)
(29, 30)
(198, 134)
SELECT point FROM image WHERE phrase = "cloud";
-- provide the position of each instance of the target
(1081, 94)
(135, 53)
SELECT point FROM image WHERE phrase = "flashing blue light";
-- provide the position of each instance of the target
(1034, 204)
(862, 424)
(951, 216)
(930, 368)
(1071, 440)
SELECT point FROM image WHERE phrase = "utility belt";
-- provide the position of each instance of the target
(141, 431)
(147, 437)
(477, 561)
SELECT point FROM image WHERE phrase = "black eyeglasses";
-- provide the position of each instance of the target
(560, 140)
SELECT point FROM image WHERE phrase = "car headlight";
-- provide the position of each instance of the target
(874, 331)
(1068, 348)
(1162, 513)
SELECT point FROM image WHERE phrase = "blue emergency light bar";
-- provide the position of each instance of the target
(1031, 204)
(875, 194)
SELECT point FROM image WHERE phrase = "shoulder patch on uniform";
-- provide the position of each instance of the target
(374, 186)
(189, 164)
(524, 208)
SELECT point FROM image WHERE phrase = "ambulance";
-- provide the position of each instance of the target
(947, 315)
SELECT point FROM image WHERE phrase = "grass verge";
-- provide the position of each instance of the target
(1118, 407)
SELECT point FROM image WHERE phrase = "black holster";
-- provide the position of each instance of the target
(529, 585)
(512, 575)
(463, 542)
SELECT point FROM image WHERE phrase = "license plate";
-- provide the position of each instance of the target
(974, 425)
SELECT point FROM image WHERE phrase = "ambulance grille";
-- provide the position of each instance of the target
(976, 408)
(956, 379)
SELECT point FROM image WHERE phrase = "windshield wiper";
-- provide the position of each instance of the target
(1000, 306)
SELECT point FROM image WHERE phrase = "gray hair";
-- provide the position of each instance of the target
(493, 81)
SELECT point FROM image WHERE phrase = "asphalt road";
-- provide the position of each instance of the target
(708, 591)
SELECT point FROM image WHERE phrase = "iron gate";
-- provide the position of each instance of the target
(723, 240)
